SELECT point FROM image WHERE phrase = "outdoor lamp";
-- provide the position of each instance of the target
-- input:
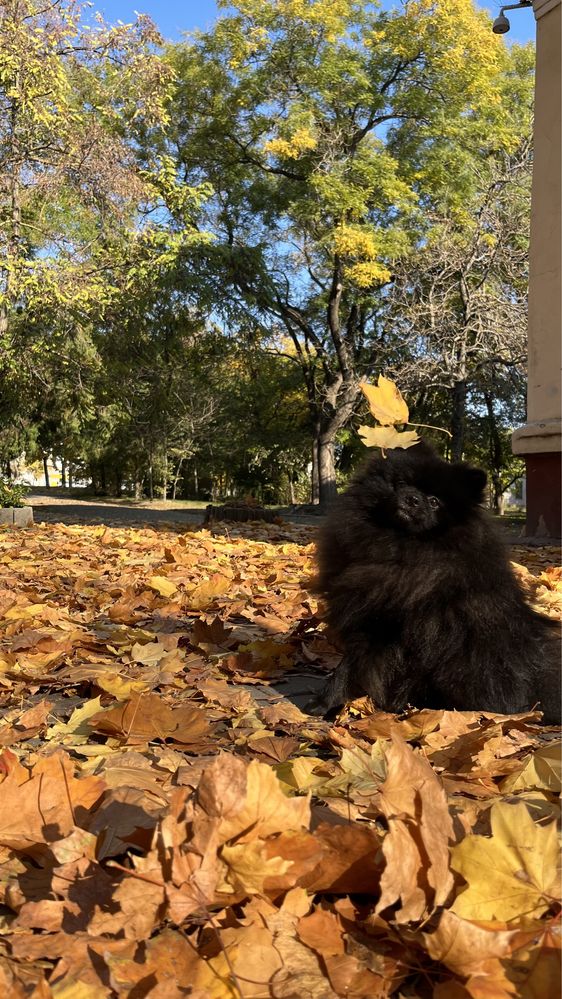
(501, 25)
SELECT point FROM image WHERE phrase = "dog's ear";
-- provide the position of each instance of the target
(473, 482)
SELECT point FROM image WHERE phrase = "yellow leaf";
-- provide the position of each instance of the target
(512, 873)
(121, 687)
(265, 810)
(164, 586)
(385, 401)
(18, 612)
(300, 141)
(205, 592)
(76, 729)
(542, 769)
(387, 437)
(268, 653)
(148, 654)
(297, 774)
(249, 867)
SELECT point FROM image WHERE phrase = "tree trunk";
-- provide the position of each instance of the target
(496, 457)
(13, 187)
(498, 499)
(46, 471)
(70, 475)
(63, 473)
(196, 481)
(165, 476)
(458, 420)
(138, 488)
(177, 477)
(292, 498)
(315, 474)
(327, 472)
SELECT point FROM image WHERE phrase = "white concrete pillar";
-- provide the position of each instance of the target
(539, 441)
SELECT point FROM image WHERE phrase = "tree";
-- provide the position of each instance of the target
(155, 400)
(261, 444)
(458, 302)
(84, 216)
(69, 95)
(300, 116)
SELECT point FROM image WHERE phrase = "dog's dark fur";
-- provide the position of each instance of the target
(420, 591)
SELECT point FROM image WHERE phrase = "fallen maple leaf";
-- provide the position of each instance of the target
(48, 805)
(513, 873)
(323, 931)
(416, 847)
(146, 717)
(249, 868)
(541, 769)
(164, 586)
(465, 946)
(207, 591)
(265, 810)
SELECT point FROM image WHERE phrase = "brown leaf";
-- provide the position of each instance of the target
(416, 847)
(27, 726)
(277, 748)
(147, 717)
(350, 978)
(205, 593)
(340, 858)
(210, 637)
(322, 931)
(45, 807)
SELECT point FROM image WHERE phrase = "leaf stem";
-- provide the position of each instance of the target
(429, 426)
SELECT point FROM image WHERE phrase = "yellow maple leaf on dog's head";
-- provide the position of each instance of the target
(387, 437)
(389, 407)
(386, 402)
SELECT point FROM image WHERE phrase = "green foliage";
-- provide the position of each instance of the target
(87, 216)
(11, 494)
(205, 248)
(326, 131)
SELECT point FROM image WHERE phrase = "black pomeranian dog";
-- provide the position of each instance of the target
(420, 592)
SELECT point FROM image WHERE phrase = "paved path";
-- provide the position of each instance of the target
(56, 509)
(53, 508)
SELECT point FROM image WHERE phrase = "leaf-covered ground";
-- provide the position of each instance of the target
(172, 825)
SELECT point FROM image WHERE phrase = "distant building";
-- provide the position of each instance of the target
(32, 473)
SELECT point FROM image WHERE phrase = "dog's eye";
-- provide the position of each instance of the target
(434, 502)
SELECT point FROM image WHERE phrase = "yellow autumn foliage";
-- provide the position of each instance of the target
(357, 241)
(301, 141)
(360, 242)
(368, 273)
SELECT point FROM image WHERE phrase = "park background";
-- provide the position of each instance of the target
(205, 247)
(209, 243)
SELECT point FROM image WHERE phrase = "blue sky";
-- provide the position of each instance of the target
(175, 16)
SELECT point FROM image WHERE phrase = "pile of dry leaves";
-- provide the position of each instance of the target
(171, 824)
